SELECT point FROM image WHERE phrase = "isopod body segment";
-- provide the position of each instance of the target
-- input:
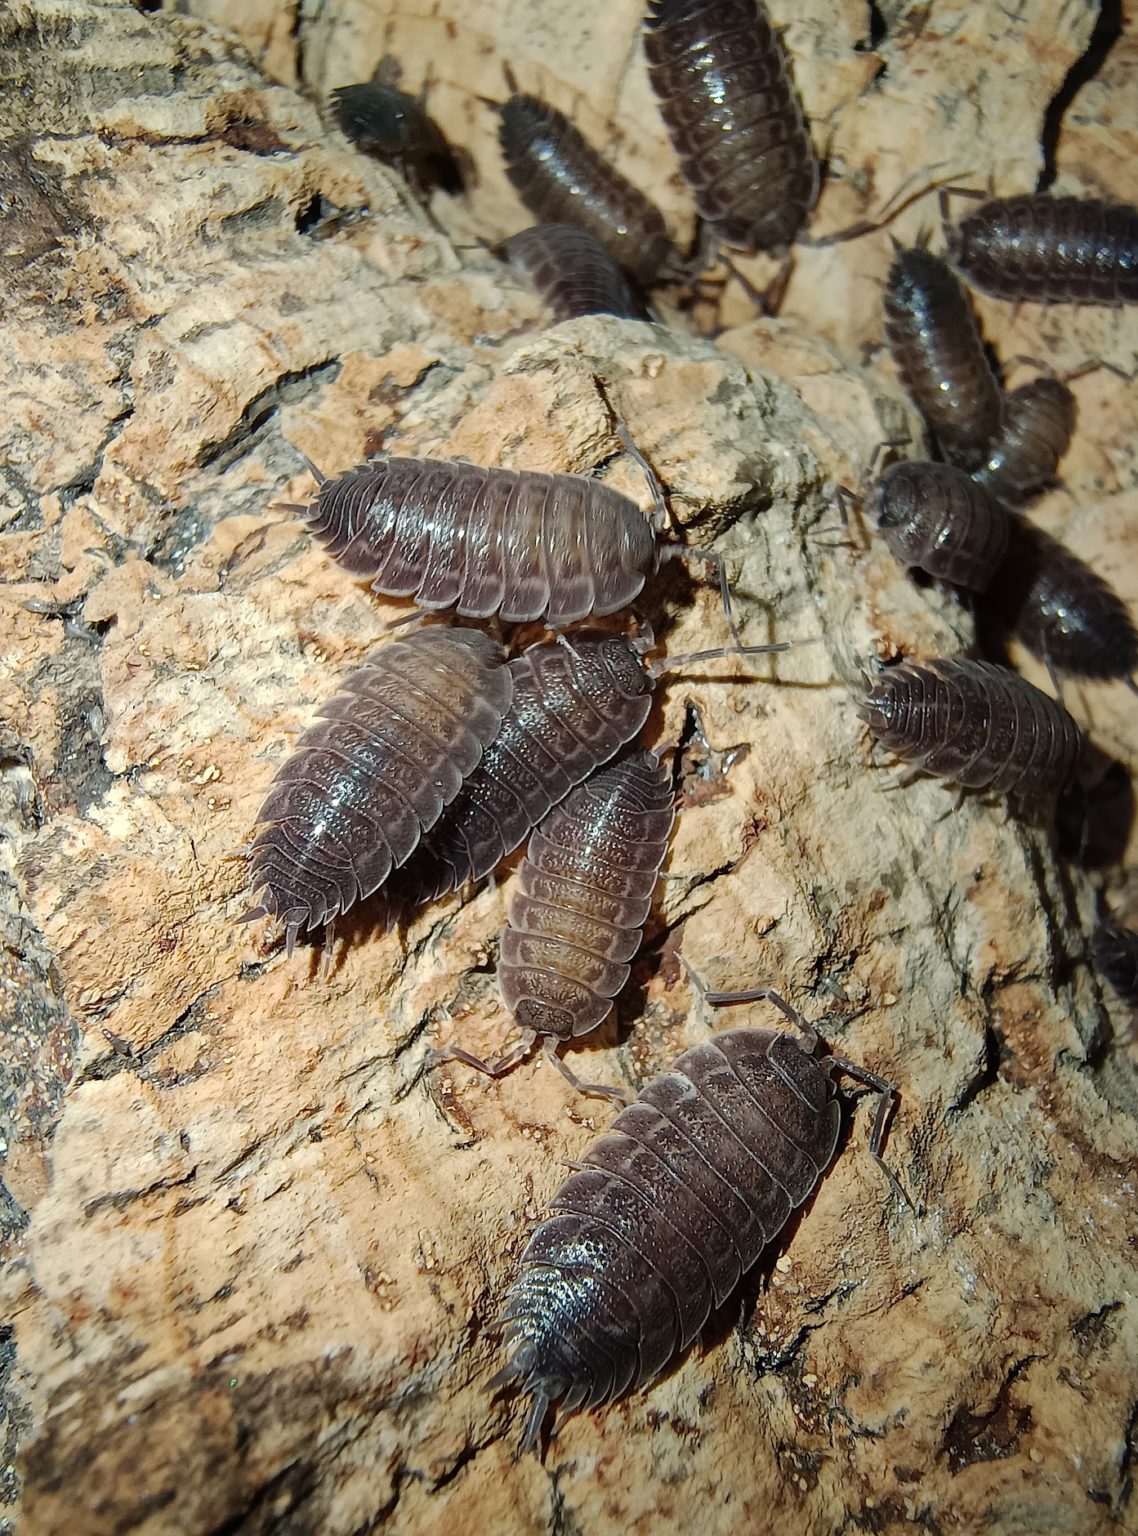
(1050, 250)
(937, 519)
(1023, 457)
(572, 272)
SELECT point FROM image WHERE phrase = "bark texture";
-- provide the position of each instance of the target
(252, 1255)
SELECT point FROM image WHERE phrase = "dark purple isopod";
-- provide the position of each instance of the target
(394, 126)
(933, 336)
(1023, 457)
(1114, 950)
(485, 541)
(572, 272)
(1062, 611)
(667, 1211)
(728, 100)
(562, 179)
(938, 520)
(981, 726)
(390, 751)
(1050, 250)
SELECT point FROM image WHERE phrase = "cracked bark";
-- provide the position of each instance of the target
(252, 1256)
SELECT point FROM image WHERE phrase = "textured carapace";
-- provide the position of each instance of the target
(979, 725)
(1023, 457)
(937, 519)
(574, 706)
(1114, 950)
(933, 336)
(1050, 250)
(390, 751)
(485, 541)
(572, 272)
(394, 126)
(665, 1213)
(1062, 610)
(727, 97)
(562, 179)
(584, 891)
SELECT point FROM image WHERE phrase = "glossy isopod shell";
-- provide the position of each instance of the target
(733, 114)
(562, 179)
(979, 725)
(1050, 250)
(389, 752)
(584, 891)
(664, 1215)
(937, 519)
(933, 336)
(393, 126)
(574, 706)
(1115, 953)
(572, 272)
(1023, 457)
(484, 541)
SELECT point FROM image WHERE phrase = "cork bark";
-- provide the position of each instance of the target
(252, 1253)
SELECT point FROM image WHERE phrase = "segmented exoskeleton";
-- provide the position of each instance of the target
(572, 272)
(937, 519)
(1050, 250)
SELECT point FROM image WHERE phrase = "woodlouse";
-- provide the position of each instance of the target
(584, 891)
(483, 541)
(393, 126)
(390, 751)
(1023, 458)
(1062, 610)
(667, 1210)
(1114, 950)
(933, 336)
(1050, 250)
(562, 179)
(979, 725)
(727, 97)
(572, 272)
(937, 519)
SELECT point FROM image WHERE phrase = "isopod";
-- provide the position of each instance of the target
(938, 520)
(390, 751)
(484, 541)
(1050, 250)
(668, 1210)
(572, 272)
(1114, 950)
(1062, 610)
(584, 890)
(727, 97)
(1023, 457)
(979, 725)
(933, 336)
(393, 126)
(562, 179)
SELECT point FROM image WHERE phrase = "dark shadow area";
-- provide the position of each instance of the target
(1107, 31)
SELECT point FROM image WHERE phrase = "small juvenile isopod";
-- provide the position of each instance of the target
(390, 751)
(393, 126)
(562, 179)
(1114, 950)
(1062, 610)
(979, 725)
(1050, 250)
(935, 342)
(668, 1210)
(728, 100)
(484, 541)
(572, 272)
(584, 891)
(1023, 457)
(937, 519)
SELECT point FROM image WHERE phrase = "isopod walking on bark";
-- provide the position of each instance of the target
(387, 754)
(978, 725)
(937, 519)
(669, 1209)
(393, 126)
(1023, 457)
(572, 272)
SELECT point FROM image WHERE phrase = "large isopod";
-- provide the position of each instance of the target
(584, 891)
(937, 519)
(1050, 250)
(483, 541)
(978, 725)
(572, 272)
(933, 336)
(562, 179)
(668, 1210)
(728, 100)
(389, 752)
(1023, 457)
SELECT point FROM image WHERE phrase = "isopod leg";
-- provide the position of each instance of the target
(718, 562)
(590, 1090)
(887, 1092)
(766, 995)
(497, 1068)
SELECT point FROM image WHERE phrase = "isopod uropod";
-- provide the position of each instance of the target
(1050, 250)
(667, 1211)
(937, 519)
(572, 272)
